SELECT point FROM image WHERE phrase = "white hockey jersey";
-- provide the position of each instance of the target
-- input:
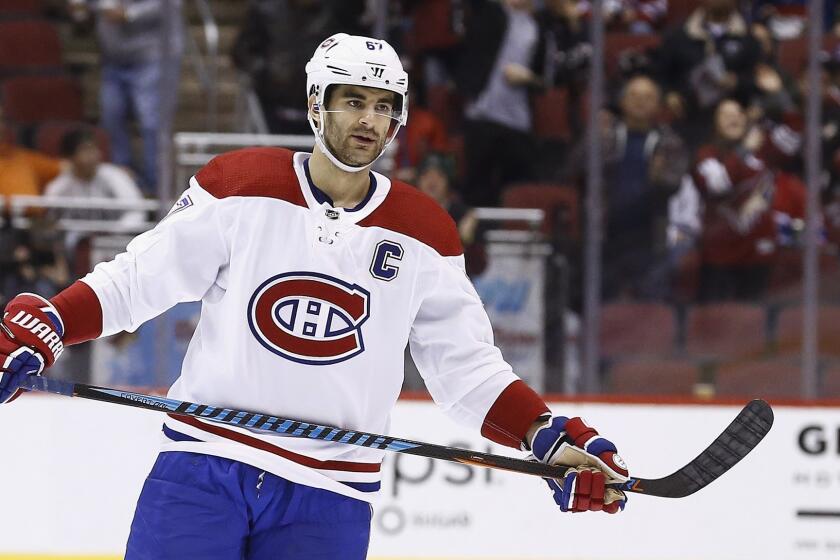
(306, 310)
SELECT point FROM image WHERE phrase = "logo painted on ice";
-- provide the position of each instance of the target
(309, 318)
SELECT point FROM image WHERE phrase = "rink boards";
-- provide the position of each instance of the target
(78, 466)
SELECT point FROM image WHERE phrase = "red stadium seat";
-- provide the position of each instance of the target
(830, 278)
(445, 104)
(727, 330)
(786, 278)
(679, 10)
(685, 281)
(432, 26)
(33, 99)
(793, 53)
(652, 377)
(28, 45)
(559, 202)
(788, 339)
(16, 8)
(616, 44)
(551, 115)
(49, 135)
(759, 379)
(637, 329)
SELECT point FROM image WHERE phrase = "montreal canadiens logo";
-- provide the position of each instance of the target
(309, 318)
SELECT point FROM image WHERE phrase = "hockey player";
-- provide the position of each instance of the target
(313, 272)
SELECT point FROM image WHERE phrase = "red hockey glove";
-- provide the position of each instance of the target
(570, 442)
(30, 341)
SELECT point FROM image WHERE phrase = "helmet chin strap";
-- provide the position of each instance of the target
(322, 145)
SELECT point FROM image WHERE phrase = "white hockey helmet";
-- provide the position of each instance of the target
(358, 61)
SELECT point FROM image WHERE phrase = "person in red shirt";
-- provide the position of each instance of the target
(738, 242)
(424, 133)
(749, 204)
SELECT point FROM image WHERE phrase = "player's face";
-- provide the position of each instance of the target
(358, 123)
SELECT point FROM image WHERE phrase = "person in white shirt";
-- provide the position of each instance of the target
(88, 177)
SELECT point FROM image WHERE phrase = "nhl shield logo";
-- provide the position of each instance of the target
(309, 318)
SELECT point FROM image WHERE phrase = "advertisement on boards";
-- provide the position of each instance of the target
(79, 467)
(512, 288)
(782, 502)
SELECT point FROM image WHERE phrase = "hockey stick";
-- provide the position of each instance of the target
(736, 441)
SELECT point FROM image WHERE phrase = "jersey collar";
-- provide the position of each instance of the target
(321, 197)
(316, 199)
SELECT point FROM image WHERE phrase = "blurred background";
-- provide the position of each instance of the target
(648, 202)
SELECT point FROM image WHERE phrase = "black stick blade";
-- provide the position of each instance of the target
(737, 440)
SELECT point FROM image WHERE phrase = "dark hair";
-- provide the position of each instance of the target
(71, 141)
(438, 160)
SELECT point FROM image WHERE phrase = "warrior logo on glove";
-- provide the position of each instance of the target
(30, 341)
(42, 329)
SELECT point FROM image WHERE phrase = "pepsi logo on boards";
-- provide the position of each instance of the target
(309, 318)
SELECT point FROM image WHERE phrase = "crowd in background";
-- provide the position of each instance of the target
(701, 134)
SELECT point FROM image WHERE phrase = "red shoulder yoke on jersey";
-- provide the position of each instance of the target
(270, 173)
(265, 172)
(409, 211)
(515, 410)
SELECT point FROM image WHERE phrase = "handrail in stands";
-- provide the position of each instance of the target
(207, 65)
(249, 114)
(19, 204)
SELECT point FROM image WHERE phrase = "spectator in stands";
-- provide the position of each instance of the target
(633, 16)
(711, 56)
(500, 63)
(787, 19)
(424, 133)
(434, 35)
(644, 163)
(739, 239)
(774, 94)
(830, 120)
(31, 260)
(565, 38)
(779, 148)
(435, 177)
(141, 43)
(22, 171)
(89, 177)
(272, 48)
